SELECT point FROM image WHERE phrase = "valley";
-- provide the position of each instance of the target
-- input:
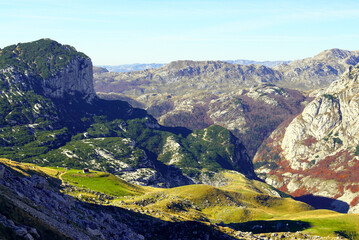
(191, 149)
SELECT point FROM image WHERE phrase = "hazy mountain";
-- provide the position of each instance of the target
(131, 67)
(144, 66)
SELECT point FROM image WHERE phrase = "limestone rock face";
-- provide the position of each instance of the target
(317, 152)
(76, 77)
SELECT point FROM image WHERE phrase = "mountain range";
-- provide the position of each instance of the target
(143, 66)
(77, 166)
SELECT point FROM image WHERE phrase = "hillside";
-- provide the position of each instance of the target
(50, 115)
(315, 156)
(40, 208)
(32, 207)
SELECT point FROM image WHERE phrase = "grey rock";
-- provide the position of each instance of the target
(34, 232)
(39, 182)
(2, 171)
(20, 231)
(28, 236)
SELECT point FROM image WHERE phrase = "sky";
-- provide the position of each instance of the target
(152, 31)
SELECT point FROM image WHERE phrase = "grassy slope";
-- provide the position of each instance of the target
(326, 222)
(241, 200)
(101, 182)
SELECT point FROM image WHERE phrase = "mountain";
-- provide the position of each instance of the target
(50, 115)
(315, 156)
(131, 67)
(318, 71)
(181, 77)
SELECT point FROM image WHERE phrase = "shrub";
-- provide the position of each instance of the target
(356, 151)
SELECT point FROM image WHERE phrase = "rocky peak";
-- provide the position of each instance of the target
(334, 53)
(49, 68)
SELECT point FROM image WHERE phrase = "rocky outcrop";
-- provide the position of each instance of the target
(317, 152)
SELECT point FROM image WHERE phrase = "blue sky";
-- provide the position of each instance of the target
(120, 32)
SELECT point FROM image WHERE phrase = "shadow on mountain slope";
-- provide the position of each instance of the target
(320, 202)
(271, 226)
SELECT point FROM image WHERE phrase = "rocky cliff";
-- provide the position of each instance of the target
(49, 68)
(317, 152)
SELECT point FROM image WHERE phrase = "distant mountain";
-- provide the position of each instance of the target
(99, 70)
(315, 156)
(185, 76)
(131, 67)
(144, 66)
(265, 63)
